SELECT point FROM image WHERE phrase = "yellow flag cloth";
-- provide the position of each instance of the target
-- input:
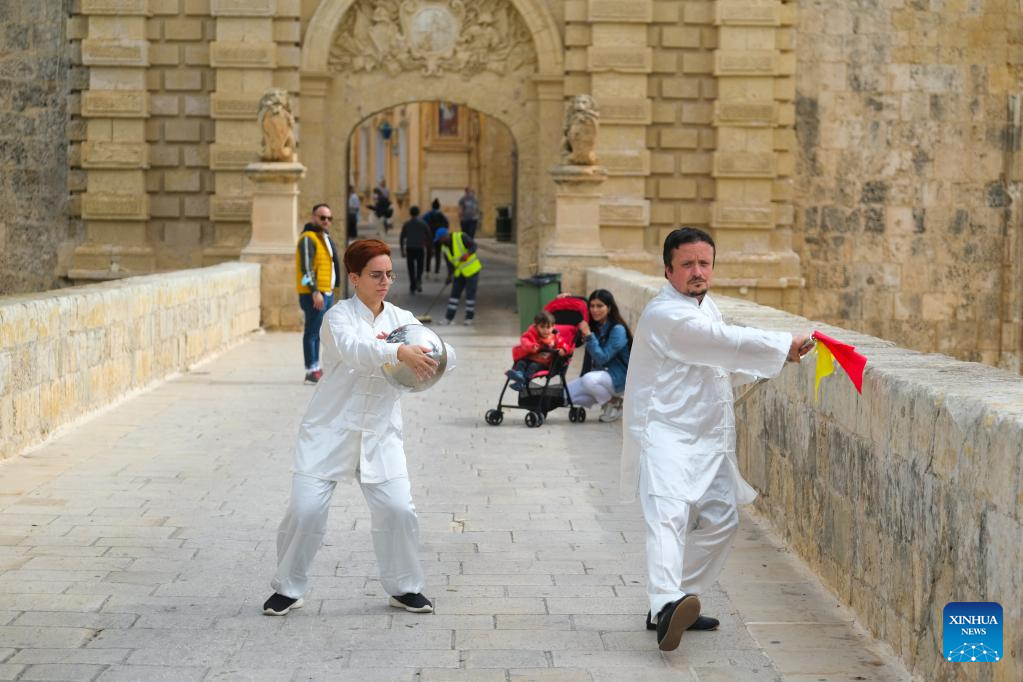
(825, 366)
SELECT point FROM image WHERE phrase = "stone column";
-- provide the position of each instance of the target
(274, 236)
(620, 62)
(244, 55)
(115, 205)
(754, 116)
(575, 243)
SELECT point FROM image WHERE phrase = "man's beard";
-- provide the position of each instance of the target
(697, 288)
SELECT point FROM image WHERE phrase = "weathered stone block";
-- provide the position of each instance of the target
(109, 206)
(182, 131)
(744, 216)
(745, 113)
(230, 208)
(624, 212)
(243, 8)
(115, 7)
(746, 63)
(164, 105)
(115, 104)
(231, 157)
(181, 181)
(680, 36)
(182, 79)
(114, 155)
(676, 188)
(638, 11)
(620, 59)
(287, 31)
(698, 12)
(744, 165)
(747, 13)
(183, 29)
(234, 106)
(679, 138)
(626, 162)
(243, 55)
(625, 111)
(115, 52)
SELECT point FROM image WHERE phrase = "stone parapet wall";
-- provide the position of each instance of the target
(903, 499)
(66, 353)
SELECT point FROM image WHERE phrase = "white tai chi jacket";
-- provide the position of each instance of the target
(353, 423)
(679, 412)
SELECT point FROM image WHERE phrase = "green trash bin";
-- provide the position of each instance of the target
(533, 293)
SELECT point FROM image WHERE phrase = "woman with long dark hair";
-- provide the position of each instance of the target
(608, 341)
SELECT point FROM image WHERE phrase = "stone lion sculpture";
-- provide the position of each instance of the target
(277, 124)
(580, 132)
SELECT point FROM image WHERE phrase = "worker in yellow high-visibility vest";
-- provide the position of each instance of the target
(460, 250)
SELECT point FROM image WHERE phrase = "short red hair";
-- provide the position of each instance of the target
(363, 251)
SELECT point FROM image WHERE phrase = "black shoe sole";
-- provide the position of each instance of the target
(684, 615)
(411, 609)
(297, 605)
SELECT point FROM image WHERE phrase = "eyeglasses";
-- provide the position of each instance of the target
(328, 218)
(378, 276)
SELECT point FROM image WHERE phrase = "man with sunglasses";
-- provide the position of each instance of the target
(318, 271)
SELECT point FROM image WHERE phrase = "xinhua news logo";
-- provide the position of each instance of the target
(972, 632)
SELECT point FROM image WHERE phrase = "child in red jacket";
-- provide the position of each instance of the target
(536, 350)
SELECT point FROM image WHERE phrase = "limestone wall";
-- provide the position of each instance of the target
(34, 72)
(65, 353)
(908, 163)
(902, 499)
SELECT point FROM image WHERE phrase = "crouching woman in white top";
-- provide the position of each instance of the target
(352, 430)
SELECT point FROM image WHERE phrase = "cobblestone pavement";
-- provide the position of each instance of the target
(139, 546)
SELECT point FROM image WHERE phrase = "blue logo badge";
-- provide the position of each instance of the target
(972, 632)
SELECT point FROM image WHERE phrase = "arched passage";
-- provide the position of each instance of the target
(426, 151)
(335, 97)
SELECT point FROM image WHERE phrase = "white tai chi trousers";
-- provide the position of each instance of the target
(592, 388)
(393, 522)
(687, 543)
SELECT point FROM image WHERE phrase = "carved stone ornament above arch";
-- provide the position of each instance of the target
(433, 37)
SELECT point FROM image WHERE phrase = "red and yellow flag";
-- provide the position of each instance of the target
(829, 351)
(825, 366)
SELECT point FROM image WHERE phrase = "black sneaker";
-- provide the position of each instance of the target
(674, 619)
(278, 605)
(702, 623)
(416, 603)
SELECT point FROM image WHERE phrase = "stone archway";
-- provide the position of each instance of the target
(340, 88)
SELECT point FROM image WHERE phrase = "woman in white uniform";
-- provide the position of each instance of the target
(352, 431)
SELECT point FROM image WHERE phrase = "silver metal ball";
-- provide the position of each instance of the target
(401, 375)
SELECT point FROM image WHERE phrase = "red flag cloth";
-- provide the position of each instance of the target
(845, 355)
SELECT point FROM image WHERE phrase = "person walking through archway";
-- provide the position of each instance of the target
(436, 219)
(469, 212)
(414, 241)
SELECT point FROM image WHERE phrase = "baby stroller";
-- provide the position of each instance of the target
(541, 394)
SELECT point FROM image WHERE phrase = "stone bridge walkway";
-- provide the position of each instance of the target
(139, 545)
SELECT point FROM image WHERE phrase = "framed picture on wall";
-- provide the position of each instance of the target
(447, 119)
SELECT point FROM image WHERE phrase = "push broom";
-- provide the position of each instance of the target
(425, 317)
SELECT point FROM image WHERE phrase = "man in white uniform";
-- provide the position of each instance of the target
(679, 431)
(352, 430)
